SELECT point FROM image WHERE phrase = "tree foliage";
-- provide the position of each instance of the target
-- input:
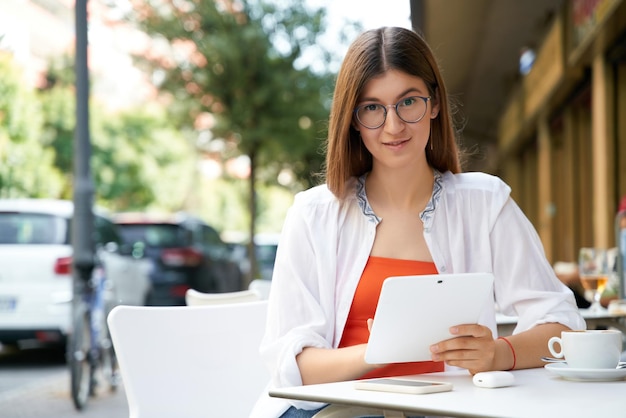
(26, 165)
(58, 106)
(139, 159)
(238, 62)
(234, 73)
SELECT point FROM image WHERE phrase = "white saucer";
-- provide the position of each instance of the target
(586, 375)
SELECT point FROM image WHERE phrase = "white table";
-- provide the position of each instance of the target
(506, 324)
(536, 393)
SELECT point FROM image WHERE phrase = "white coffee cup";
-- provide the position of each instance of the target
(590, 349)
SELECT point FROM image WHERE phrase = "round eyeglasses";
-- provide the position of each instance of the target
(410, 110)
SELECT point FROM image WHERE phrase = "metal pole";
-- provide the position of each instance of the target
(83, 222)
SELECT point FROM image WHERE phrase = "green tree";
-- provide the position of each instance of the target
(139, 160)
(58, 104)
(26, 164)
(241, 62)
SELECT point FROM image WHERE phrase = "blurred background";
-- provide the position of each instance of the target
(193, 105)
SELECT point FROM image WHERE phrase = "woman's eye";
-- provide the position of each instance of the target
(370, 108)
(408, 101)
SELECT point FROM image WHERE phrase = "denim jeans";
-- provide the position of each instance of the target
(294, 412)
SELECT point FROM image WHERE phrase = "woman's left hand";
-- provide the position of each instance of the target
(473, 348)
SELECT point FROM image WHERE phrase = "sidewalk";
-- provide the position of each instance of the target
(51, 399)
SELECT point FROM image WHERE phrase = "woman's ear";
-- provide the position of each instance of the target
(434, 111)
(434, 105)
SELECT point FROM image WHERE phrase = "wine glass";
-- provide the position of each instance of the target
(594, 273)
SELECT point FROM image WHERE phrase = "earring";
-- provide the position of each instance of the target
(360, 148)
(431, 143)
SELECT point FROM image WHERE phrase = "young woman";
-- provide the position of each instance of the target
(396, 203)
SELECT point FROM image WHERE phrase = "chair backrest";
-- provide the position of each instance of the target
(261, 286)
(196, 298)
(190, 361)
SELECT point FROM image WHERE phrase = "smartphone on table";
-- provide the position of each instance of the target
(403, 385)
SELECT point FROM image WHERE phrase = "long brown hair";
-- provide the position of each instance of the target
(370, 55)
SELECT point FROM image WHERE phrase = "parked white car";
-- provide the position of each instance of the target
(35, 270)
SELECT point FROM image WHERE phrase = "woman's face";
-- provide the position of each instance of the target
(396, 143)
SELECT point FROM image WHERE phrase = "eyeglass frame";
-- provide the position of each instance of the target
(426, 99)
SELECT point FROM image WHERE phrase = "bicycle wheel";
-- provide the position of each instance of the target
(108, 359)
(108, 364)
(81, 368)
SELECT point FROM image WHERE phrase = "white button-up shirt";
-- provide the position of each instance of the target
(470, 225)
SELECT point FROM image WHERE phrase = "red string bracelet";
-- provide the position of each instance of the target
(512, 351)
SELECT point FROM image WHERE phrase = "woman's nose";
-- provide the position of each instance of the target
(393, 123)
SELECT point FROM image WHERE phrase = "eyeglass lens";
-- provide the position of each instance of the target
(410, 109)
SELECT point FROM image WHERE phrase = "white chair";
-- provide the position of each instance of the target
(261, 286)
(190, 361)
(195, 298)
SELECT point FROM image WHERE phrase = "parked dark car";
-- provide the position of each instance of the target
(266, 246)
(185, 253)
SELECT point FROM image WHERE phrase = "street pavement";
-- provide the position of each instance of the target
(50, 398)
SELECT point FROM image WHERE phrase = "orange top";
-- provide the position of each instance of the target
(364, 304)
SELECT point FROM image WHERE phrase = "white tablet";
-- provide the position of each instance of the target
(414, 312)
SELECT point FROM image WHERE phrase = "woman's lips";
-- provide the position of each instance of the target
(396, 143)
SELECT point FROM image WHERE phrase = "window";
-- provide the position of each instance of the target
(32, 228)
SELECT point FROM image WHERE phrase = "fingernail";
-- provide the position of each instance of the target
(454, 330)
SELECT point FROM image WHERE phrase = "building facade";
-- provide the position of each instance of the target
(555, 133)
(562, 136)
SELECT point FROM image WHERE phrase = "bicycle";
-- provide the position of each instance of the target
(91, 354)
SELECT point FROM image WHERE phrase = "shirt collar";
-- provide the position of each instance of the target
(426, 215)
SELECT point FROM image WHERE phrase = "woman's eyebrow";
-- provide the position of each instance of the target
(404, 93)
